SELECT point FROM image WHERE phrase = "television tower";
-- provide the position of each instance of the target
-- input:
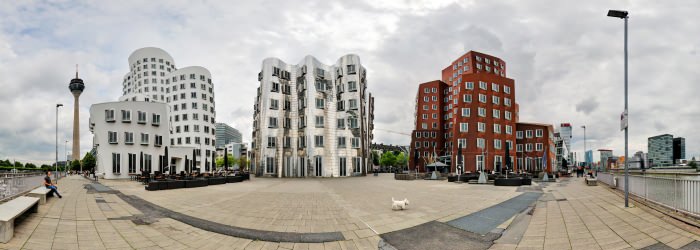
(76, 87)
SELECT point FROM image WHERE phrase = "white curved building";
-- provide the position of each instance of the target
(312, 119)
(189, 93)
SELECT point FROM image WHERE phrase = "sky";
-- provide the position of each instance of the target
(566, 58)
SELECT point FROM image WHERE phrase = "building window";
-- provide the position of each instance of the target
(539, 133)
(273, 122)
(424, 125)
(462, 143)
(509, 130)
(341, 142)
(351, 69)
(463, 127)
(352, 103)
(467, 98)
(270, 165)
(319, 121)
(482, 98)
(274, 104)
(539, 147)
(480, 143)
(519, 134)
(496, 100)
(116, 163)
(466, 112)
(159, 140)
(318, 141)
(132, 163)
(519, 147)
(352, 122)
(126, 115)
(506, 89)
(319, 103)
(112, 136)
(528, 147)
(497, 128)
(482, 112)
(483, 85)
(155, 121)
(482, 127)
(271, 142)
(507, 115)
(528, 133)
(479, 162)
(341, 123)
(352, 86)
(494, 87)
(355, 142)
(497, 144)
(142, 117)
(109, 115)
(496, 113)
(128, 138)
(506, 101)
(144, 139)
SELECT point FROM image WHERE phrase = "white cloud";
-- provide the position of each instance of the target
(565, 57)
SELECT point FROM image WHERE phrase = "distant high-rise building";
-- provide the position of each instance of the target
(588, 157)
(605, 156)
(660, 150)
(312, 119)
(678, 149)
(226, 134)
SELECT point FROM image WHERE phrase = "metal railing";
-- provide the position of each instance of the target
(672, 191)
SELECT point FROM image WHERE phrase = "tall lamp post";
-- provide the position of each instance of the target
(57, 106)
(624, 15)
(65, 150)
(585, 154)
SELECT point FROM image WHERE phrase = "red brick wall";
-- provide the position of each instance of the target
(547, 141)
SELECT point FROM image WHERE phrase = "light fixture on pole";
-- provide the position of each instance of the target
(624, 15)
(57, 106)
(65, 150)
(585, 153)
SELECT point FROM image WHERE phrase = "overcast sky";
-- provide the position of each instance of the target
(566, 58)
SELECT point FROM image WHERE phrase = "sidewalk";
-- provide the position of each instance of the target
(572, 215)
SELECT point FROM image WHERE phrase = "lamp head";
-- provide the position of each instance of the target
(618, 13)
(59, 105)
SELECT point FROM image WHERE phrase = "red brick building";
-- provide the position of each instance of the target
(472, 108)
(535, 149)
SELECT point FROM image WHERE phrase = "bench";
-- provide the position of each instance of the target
(591, 181)
(41, 193)
(13, 209)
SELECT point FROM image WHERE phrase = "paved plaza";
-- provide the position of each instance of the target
(569, 215)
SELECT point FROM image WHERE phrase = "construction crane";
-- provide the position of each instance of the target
(392, 131)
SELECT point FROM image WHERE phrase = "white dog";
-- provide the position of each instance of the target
(400, 204)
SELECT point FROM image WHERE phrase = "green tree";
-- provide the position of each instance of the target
(29, 165)
(375, 158)
(388, 159)
(401, 159)
(243, 162)
(220, 160)
(18, 164)
(5, 163)
(693, 163)
(89, 161)
(74, 165)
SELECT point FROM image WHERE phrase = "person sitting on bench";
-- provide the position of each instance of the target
(50, 185)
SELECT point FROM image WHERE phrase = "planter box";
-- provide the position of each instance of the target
(196, 183)
(527, 181)
(404, 177)
(451, 178)
(216, 181)
(176, 184)
(234, 179)
(508, 182)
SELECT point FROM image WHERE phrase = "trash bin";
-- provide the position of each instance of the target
(614, 182)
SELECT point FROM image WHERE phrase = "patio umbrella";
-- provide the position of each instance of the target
(187, 165)
(141, 163)
(415, 160)
(206, 164)
(225, 158)
(194, 160)
(459, 157)
(167, 160)
(508, 163)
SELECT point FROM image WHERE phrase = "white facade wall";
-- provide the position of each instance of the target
(189, 92)
(305, 93)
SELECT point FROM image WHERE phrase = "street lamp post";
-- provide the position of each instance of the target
(584, 146)
(57, 106)
(624, 15)
(65, 150)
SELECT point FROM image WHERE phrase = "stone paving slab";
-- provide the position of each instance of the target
(488, 219)
(437, 235)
